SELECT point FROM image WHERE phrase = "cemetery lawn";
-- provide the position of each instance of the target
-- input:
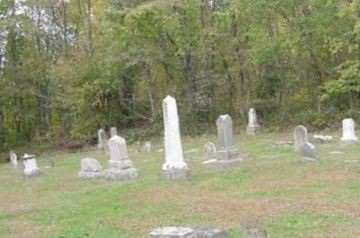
(291, 198)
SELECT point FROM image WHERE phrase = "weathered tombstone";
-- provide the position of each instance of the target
(308, 152)
(174, 167)
(322, 138)
(173, 232)
(253, 125)
(300, 136)
(147, 146)
(209, 232)
(227, 155)
(30, 166)
(113, 131)
(90, 168)
(102, 140)
(210, 151)
(120, 166)
(348, 133)
(13, 159)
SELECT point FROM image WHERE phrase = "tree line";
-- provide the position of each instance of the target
(69, 67)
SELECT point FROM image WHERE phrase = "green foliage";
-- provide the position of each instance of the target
(70, 72)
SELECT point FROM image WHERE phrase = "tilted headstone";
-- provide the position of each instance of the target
(253, 125)
(147, 146)
(322, 138)
(13, 159)
(30, 166)
(227, 155)
(300, 136)
(102, 140)
(348, 131)
(210, 151)
(308, 152)
(120, 166)
(174, 167)
(90, 168)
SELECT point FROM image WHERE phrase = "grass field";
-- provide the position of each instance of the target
(291, 198)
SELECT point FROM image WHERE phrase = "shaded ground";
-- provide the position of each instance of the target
(289, 197)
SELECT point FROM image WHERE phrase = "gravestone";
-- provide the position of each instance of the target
(189, 232)
(30, 166)
(322, 138)
(253, 125)
(308, 152)
(348, 131)
(227, 155)
(210, 151)
(147, 146)
(102, 140)
(173, 232)
(120, 166)
(13, 159)
(174, 167)
(90, 168)
(300, 136)
(113, 131)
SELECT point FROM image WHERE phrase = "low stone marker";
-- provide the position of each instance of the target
(189, 232)
(90, 168)
(174, 167)
(348, 131)
(120, 166)
(30, 167)
(322, 138)
(147, 146)
(300, 136)
(227, 155)
(253, 125)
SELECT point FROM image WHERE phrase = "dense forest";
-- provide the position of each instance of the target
(69, 67)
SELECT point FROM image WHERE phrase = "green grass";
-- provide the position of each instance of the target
(291, 198)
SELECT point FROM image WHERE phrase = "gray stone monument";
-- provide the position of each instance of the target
(300, 136)
(30, 167)
(102, 140)
(147, 146)
(253, 125)
(173, 232)
(120, 166)
(210, 151)
(13, 159)
(227, 155)
(348, 133)
(174, 167)
(308, 152)
(90, 168)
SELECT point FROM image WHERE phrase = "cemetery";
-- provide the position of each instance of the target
(179, 119)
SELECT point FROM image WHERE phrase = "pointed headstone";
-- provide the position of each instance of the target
(227, 155)
(174, 167)
(253, 125)
(300, 136)
(120, 166)
(348, 131)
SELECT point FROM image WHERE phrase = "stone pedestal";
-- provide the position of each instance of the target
(175, 174)
(116, 174)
